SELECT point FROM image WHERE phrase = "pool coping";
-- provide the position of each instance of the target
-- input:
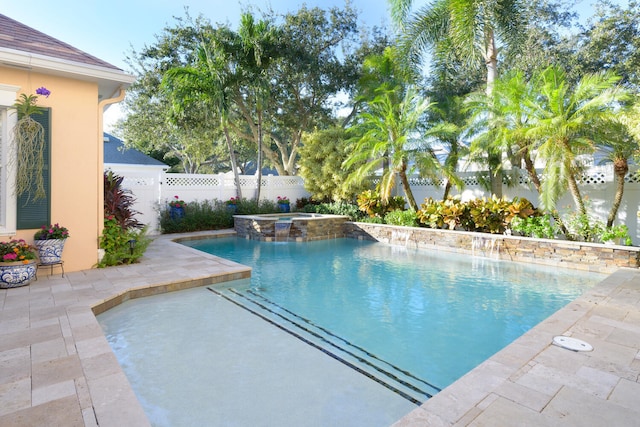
(56, 365)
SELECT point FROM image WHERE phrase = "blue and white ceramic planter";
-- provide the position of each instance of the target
(16, 274)
(50, 251)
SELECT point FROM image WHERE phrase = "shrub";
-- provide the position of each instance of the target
(616, 234)
(339, 208)
(116, 243)
(213, 215)
(121, 228)
(539, 227)
(205, 215)
(370, 202)
(583, 228)
(483, 215)
(406, 218)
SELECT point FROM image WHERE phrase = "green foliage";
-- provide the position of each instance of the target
(338, 208)
(118, 202)
(116, 243)
(583, 228)
(213, 215)
(321, 165)
(372, 220)
(616, 234)
(492, 215)
(406, 218)
(370, 202)
(120, 225)
(539, 227)
(611, 40)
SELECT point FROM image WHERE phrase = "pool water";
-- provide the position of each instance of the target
(438, 315)
(412, 321)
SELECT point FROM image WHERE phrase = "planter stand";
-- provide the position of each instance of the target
(50, 253)
(51, 264)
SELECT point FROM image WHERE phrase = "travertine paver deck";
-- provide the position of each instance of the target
(57, 369)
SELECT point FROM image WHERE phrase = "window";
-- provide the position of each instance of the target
(8, 119)
(33, 214)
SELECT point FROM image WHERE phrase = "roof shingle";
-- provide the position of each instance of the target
(17, 36)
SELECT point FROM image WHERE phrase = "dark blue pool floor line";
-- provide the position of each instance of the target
(414, 389)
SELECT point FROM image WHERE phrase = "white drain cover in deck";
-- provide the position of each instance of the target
(571, 343)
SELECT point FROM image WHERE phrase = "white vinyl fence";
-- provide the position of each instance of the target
(153, 191)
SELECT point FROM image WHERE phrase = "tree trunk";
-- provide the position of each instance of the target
(531, 170)
(259, 155)
(575, 193)
(407, 188)
(234, 163)
(495, 159)
(620, 167)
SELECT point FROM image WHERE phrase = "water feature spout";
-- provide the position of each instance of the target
(282, 229)
(485, 246)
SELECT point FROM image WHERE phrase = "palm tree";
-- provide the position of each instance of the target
(209, 81)
(392, 115)
(256, 42)
(467, 29)
(621, 146)
(502, 119)
(567, 121)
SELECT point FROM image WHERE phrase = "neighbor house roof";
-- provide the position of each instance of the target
(24, 47)
(116, 153)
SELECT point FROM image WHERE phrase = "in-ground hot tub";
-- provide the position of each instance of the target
(295, 226)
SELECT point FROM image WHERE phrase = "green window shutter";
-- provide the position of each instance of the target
(34, 214)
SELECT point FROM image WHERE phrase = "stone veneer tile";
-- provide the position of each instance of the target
(525, 396)
(420, 418)
(29, 336)
(92, 347)
(626, 394)
(115, 403)
(55, 371)
(576, 408)
(53, 392)
(14, 396)
(503, 412)
(48, 350)
(102, 365)
(15, 365)
(82, 391)
(62, 412)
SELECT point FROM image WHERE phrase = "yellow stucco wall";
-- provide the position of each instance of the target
(76, 160)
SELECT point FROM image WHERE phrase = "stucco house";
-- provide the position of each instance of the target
(82, 87)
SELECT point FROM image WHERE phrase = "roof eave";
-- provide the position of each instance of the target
(110, 80)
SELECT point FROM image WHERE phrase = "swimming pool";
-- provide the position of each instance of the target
(425, 317)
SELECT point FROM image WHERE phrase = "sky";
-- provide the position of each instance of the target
(108, 29)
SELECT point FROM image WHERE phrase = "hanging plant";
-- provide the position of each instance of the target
(29, 137)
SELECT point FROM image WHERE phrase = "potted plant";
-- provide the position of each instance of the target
(176, 208)
(49, 241)
(284, 204)
(232, 204)
(17, 264)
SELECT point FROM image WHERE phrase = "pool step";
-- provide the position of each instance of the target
(401, 382)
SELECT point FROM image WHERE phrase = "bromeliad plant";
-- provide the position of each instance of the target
(16, 251)
(283, 200)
